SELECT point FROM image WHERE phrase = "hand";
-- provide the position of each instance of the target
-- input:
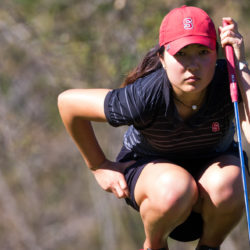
(230, 35)
(111, 178)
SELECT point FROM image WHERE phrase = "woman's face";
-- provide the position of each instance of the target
(191, 69)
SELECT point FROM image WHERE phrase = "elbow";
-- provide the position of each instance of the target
(62, 100)
(68, 104)
(246, 130)
(64, 104)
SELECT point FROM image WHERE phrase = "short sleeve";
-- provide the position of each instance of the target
(136, 103)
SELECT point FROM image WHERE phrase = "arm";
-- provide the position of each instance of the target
(244, 107)
(230, 35)
(77, 108)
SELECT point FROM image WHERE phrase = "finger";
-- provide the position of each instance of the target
(124, 187)
(228, 27)
(121, 189)
(228, 33)
(229, 20)
(119, 193)
(235, 42)
(230, 37)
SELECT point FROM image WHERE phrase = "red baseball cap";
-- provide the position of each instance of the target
(186, 25)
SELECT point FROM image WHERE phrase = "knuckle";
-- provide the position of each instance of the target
(120, 196)
(106, 189)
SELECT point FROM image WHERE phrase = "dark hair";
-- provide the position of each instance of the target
(149, 63)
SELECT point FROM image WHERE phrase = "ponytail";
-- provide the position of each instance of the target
(150, 63)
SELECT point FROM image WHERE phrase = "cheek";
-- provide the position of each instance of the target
(175, 72)
(174, 78)
(209, 69)
(174, 69)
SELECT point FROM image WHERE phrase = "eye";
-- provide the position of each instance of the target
(204, 52)
(180, 53)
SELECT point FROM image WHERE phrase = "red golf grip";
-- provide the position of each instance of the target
(231, 70)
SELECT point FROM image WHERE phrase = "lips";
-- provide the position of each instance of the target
(192, 79)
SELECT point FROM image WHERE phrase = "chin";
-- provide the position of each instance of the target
(192, 88)
(195, 88)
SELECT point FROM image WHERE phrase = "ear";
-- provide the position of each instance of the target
(161, 57)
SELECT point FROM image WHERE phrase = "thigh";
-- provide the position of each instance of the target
(159, 177)
(221, 181)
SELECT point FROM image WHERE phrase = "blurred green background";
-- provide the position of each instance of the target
(48, 198)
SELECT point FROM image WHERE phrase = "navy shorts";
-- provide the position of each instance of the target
(191, 229)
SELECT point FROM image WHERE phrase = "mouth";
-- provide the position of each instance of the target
(192, 79)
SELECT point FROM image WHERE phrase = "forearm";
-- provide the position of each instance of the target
(82, 133)
(243, 77)
(244, 86)
(77, 108)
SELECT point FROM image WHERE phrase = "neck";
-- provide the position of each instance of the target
(190, 99)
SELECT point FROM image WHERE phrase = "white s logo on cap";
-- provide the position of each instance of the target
(188, 23)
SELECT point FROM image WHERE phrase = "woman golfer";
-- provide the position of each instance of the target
(179, 165)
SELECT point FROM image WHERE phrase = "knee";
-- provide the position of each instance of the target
(225, 192)
(174, 193)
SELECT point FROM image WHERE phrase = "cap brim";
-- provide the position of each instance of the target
(173, 47)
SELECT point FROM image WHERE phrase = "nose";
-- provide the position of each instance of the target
(192, 63)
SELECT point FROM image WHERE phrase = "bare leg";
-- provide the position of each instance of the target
(166, 194)
(222, 202)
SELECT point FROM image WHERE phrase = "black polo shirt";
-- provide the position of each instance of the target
(155, 128)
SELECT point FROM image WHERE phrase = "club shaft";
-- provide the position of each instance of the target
(242, 163)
